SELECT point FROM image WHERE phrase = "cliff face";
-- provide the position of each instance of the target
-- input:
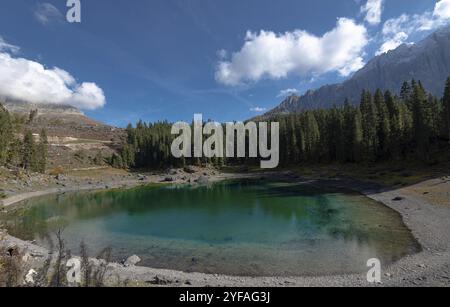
(427, 61)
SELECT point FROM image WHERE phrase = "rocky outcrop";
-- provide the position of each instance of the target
(427, 61)
(132, 261)
(26, 108)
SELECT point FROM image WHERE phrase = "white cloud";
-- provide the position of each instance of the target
(442, 9)
(222, 54)
(258, 109)
(4, 46)
(393, 42)
(46, 13)
(373, 10)
(396, 31)
(354, 65)
(30, 81)
(288, 92)
(275, 56)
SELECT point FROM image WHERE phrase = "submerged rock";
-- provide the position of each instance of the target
(203, 180)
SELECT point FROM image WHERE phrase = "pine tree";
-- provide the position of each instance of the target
(42, 152)
(312, 136)
(116, 161)
(352, 133)
(29, 152)
(357, 136)
(32, 116)
(348, 130)
(6, 134)
(369, 123)
(446, 102)
(383, 124)
(394, 137)
(421, 121)
(406, 93)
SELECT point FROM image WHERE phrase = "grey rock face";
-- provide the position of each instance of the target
(427, 61)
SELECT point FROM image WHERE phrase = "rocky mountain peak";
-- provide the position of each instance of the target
(427, 61)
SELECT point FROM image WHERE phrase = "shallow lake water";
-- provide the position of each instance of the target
(251, 228)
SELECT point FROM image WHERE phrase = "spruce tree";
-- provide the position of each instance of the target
(6, 134)
(446, 102)
(369, 124)
(406, 92)
(394, 137)
(421, 121)
(357, 136)
(383, 124)
(42, 152)
(29, 152)
(312, 136)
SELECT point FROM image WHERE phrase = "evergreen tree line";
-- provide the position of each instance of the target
(148, 145)
(384, 127)
(21, 152)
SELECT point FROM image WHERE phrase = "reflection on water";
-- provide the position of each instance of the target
(237, 228)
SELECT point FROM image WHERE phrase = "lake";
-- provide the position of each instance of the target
(251, 228)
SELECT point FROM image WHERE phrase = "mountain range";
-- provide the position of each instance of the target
(427, 61)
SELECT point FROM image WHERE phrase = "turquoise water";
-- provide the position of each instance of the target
(237, 228)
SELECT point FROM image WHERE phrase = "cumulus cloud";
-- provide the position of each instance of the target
(373, 10)
(46, 13)
(396, 31)
(288, 92)
(258, 109)
(30, 81)
(442, 9)
(270, 55)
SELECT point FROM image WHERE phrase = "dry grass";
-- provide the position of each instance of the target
(53, 272)
(98, 172)
(56, 171)
(10, 267)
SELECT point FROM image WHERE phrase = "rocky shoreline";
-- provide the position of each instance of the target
(428, 222)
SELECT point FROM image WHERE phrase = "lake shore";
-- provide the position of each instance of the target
(424, 207)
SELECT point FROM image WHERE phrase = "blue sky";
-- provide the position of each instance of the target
(169, 59)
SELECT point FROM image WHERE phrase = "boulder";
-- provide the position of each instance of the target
(190, 170)
(60, 177)
(142, 177)
(29, 278)
(172, 172)
(132, 261)
(169, 179)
